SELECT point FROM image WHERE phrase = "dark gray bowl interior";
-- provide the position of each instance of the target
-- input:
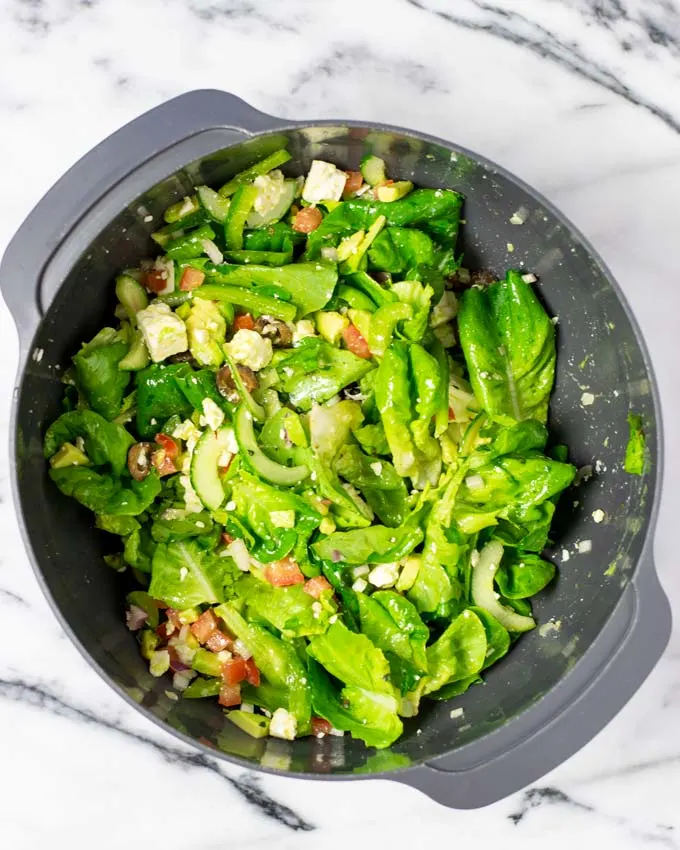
(598, 353)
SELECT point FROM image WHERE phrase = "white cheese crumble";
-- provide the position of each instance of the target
(565, 556)
(250, 349)
(457, 712)
(270, 187)
(302, 329)
(283, 725)
(360, 585)
(377, 467)
(325, 182)
(360, 572)
(584, 546)
(384, 575)
(164, 333)
(529, 278)
(213, 416)
(587, 399)
(598, 515)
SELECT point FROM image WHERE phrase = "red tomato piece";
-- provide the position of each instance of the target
(320, 727)
(206, 624)
(230, 695)
(252, 673)
(307, 220)
(452, 414)
(164, 464)
(227, 538)
(355, 342)
(244, 322)
(191, 279)
(169, 446)
(353, 183)
(283, 573)
(217, 641)
(234, 670)
(316, 586)
(156, 280)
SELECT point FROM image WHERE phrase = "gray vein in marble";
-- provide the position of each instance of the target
(237, 11)
(247, 785)
(13, 597)
(513, 27)
(534, 798)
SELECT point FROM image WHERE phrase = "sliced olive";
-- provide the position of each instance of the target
(278, 332)
(184, 357)
(224, 381)
(139, 460)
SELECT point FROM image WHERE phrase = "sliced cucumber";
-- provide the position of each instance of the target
(485, 596)
(254, 457)
(373, 170)
(205, 478)
(277, 212)
(214, 204)
(132, 296)
(138, 355)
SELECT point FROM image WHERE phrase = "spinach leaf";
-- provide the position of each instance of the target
(183, 575)
(523, 574)
(509, 346)
(277, 661)
(159, 397)
(419, 297)
(457, 654)
(316, 371)
(100, 380)
(106, 443)
(378, 482)
(634, 462)
(393, 398)
(426, 377)
(370, 717)
(399, 249)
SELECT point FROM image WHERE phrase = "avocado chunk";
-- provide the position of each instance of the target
(331, 325)
(69, 455)
(254, 725)
(394, 191)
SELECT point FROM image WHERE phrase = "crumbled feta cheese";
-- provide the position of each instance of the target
(457, 712)
(282, 519)
(173, 514)
(445, 310)
(250, 349)
(384, 575)
(529, 278)
(325, 182)
(302, 329)
(598, 515)
(584, 546)
(317, 610)
(377, 467)
(213, 416)
(360, 572)
(80, 444)
(283, 725)
(192, 503)
(510, 247)
(360, 585)
(230, 506)
(333, 619)
(565, 556)
(164, 333)
(247, 707)
(270, 187)
(187, 431)
(587, 399)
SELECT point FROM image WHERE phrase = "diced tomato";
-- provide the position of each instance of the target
(352, 184)
(283, 573)
(206, 624)
(452, 414)
(320, 726)
(156, 280)
(206, 741)
(191, 279)
(234, 670)
(169, 446)
(244, 322)
(252, 673)
(217, 641)
(316, 586)
(164, 464)
(227, 538)
(355, 342)
(307, 220)
(230, 695)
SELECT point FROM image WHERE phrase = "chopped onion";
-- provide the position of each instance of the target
(474, 482)
(180, 681)
(336, 555)
(330, 253)
(212, 251)
(241, 649)
(135, 617)
(237, 550)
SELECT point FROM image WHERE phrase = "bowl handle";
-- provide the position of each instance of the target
(99, 171)
(567, 718)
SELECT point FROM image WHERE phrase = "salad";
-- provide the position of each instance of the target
(320, 447)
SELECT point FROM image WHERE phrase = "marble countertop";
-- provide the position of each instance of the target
(580, 99)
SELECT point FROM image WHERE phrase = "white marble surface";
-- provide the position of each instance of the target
(578, 97)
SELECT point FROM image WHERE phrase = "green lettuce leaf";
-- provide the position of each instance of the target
(183, 575)
(378, 482)
(106, 444)
(291, 610)
(159, 397)
(100, 380)
(375, 545)
(508, 342)
(106, 494)
(523, 574)
(634, 462)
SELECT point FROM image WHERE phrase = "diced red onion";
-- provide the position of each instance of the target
(336, 556)
(135, 617)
